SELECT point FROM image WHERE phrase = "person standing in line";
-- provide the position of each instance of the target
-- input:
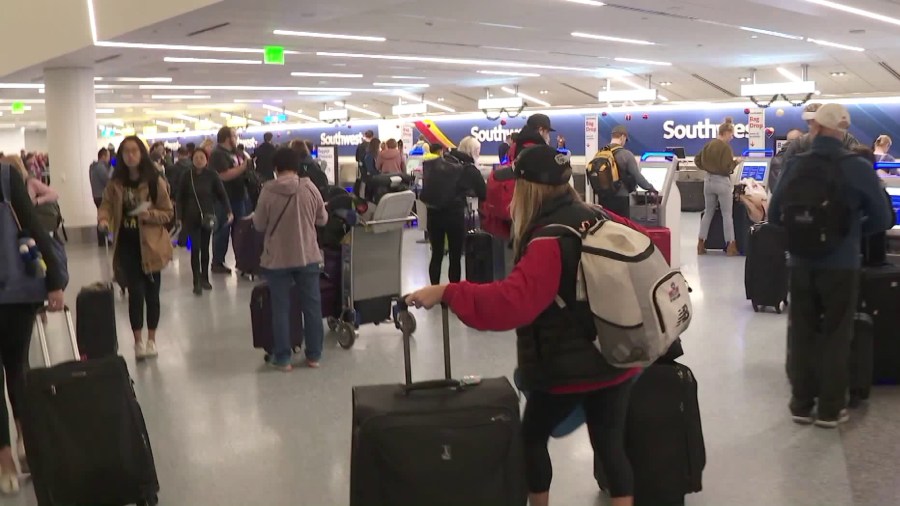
(223, 160)
(309, 167)
(17, 322)
(882, 149)
(362, 149)
(136, 208)
(289, 210)
(805, 142)
(200, 192)
(503, 149)
(629, 174)
(447, 224)
(390, 160)
(824, 290)
(369, 163)
(403, 154)
(557, 359)
(717, 160)
(263, 156)
(777, 165)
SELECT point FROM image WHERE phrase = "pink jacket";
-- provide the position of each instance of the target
(292, 241)
(390, 161)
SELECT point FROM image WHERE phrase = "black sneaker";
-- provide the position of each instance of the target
(832, 423)
(220, 269)
(803, 418)
(197, 290)
(205, 284)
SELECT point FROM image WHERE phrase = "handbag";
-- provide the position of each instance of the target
(208, 222)
(17, 286)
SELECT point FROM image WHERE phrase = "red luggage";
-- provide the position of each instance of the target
(261, 318)
(662, 239)
(248, 247)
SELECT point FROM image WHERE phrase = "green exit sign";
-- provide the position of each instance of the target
(17, 108)
(273, 55)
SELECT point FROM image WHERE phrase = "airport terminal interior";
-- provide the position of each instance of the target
(227, 429)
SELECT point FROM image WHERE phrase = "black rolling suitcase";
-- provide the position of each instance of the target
(663, 436)
(436, 443)
(879, 297)
(484, 257)
(261, 318)
(716, 237)
(765, 270)
(85, 433)
(95, 318)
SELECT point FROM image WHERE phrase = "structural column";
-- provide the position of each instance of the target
(72, 141)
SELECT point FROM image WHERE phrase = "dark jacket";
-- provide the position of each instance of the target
(191, 207)
(21, 204)
(471, 183)
(175, 172)
(864, 195)
(557, 349)
(362, 149)
(528, 136)
(369, 167)
(310, 168)
(502, 151)
(222, 160)
(99, 175)
(263, 156)
(805, 143)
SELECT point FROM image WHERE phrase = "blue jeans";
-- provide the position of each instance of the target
(280, 283)
(223, 234)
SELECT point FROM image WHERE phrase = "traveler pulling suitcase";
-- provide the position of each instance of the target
(95, 317)
(85, 433)
(664, 436)
(436, 443)
(248, 248)
(765, 270)
(261, 318)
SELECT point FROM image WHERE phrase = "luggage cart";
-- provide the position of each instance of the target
(372, 261)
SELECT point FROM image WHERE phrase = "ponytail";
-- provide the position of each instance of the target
(727, 126)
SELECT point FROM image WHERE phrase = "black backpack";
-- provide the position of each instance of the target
(440, 182)
(814, 211)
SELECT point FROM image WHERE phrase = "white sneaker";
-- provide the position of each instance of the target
(140, 350)
(9, 483)
(150, 349)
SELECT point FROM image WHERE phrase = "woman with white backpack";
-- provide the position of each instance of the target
(558, 361)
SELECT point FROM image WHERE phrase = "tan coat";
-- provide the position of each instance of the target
(156, 245)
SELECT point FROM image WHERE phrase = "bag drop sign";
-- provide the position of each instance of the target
(705, 129)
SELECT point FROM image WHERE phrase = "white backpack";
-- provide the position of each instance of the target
(640, 305)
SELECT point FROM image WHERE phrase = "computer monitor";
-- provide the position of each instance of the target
(895, 201)
(755, 170)
(656, 176)
(678, 150)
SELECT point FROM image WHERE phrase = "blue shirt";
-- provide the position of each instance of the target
(864, 195)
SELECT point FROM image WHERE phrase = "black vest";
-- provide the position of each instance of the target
(557, 348)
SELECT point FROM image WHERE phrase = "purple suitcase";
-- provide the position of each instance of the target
(248, 247)
(261, 318)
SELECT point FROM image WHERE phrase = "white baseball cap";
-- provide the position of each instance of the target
(833, 116)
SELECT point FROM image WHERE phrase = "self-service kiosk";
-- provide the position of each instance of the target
(755, 166)
(659, 168)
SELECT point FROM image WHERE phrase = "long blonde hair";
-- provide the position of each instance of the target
(527, 202)
(17, 163)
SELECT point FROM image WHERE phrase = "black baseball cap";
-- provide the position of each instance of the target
(540, 121)
(543, 164)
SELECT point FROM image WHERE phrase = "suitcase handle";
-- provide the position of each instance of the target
(42, 335)
(448, 381)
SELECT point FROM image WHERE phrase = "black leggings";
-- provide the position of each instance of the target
(449, 224)
(605, 412)
(200, 252)
(142, 288)
(17, 321)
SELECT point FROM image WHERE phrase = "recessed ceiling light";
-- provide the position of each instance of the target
(173, 59)
(454, 61)
(856, 11)
(316, 35)
(838, 74)
(746, 79)
(440, 99)
(183, 47)
(645, 62)
(609, 38)
(771, 33)
(754, 36)
(593, 3)
(401, 85)
(404, 77)
(835, 45)
(665, 83)
(180, 97)
(504, 73)
(142, 79)
(544, 92)
(324, 74)
(366, 106)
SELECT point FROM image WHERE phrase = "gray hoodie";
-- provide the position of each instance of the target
(99, 173)
(297, 203)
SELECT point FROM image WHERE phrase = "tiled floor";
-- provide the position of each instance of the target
(226, 431)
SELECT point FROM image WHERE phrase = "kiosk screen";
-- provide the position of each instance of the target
(656, 176)
(754, 170)
(895, 201)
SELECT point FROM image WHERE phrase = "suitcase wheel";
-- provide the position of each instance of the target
(333, 323)
(346, 335)
(406, 323)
